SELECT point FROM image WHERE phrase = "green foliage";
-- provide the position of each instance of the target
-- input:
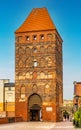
(77, 118)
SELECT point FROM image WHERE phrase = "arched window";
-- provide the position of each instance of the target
(42, 49)
(49, 61)
(42, 75)
(34, 50)
(34, 75)
(20, 63)
(34, 88)
(35, 63)
(27, 75)
(22, 91)
(27, 62)
(21, 51)
(42, 62)
(49, 49)
(20, 75)
(47, 89)
(27, 50)
(50, 75)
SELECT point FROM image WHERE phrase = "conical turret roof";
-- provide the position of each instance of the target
(39, 19)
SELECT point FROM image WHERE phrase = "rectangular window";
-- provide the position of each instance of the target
(34, 37)
(42, 37)
(27, 38)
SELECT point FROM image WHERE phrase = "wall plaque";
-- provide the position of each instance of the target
(48, 108)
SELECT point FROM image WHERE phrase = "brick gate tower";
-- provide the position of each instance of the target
(38, 68)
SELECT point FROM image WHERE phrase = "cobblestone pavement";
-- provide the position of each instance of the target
(38, 126)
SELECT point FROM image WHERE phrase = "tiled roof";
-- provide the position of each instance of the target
(38, 19)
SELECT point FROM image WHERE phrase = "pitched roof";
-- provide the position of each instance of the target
(38, 19)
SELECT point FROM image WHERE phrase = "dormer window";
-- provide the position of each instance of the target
(34, 37)
(27, 38)
(42, 37)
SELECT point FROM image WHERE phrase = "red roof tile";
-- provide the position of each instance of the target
(38, 19)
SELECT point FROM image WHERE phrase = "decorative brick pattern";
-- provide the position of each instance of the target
(38, 68)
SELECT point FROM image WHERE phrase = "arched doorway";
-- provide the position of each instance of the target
(66, 115)
(34, 106)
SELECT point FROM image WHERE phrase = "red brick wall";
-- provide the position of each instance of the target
(21, 107)
(78, 89)
(31, 34)
(21, 110)
(3, 120)
(49, 115)
(18, 119)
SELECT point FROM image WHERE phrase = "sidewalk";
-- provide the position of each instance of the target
(38, 126)
(66, 125)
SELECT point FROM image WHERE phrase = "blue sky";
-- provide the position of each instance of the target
(66, 15)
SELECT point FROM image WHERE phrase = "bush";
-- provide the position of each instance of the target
(77, 118)
(80, 121)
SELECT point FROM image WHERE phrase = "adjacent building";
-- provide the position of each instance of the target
(7, 98)
(77, 95)
(38, 68)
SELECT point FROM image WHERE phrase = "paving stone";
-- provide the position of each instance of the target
(38, 126)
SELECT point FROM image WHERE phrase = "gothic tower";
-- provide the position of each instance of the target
(38, 68)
